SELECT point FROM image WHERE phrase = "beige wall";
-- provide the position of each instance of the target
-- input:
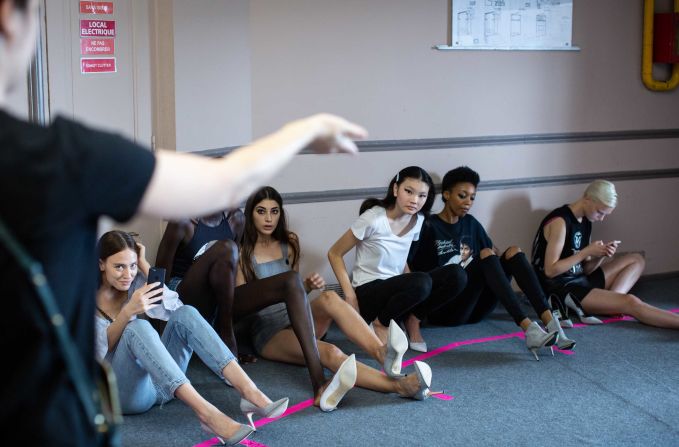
(212, 74)
(243, 68)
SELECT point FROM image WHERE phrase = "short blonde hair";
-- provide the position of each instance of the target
(603, 192)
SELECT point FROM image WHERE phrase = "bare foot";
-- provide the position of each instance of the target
(381, 331)
(413, 327)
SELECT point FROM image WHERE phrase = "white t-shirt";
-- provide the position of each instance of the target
(380, 254)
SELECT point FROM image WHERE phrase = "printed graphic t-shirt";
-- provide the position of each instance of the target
(442, 243)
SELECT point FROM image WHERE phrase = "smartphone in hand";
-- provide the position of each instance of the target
(157, 274)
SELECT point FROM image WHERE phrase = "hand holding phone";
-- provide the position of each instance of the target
(157, 274)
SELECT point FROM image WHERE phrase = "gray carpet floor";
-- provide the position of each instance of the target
(620, 386)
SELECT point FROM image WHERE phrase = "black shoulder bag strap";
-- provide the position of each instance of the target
(84, 386)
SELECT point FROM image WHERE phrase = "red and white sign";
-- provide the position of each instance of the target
(97, 28)
(96, 7)
(98, 65)
(101, 47)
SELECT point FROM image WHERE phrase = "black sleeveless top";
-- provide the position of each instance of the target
(202, 235)
(577, 237)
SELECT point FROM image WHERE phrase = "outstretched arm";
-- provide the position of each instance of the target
(185, 185)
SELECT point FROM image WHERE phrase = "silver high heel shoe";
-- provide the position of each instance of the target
(397, 345)
(559, 311)
(343, 380)
(243, 433)
(273, 410)
(423, 372)
(574, 305)
(562, 342)
(537, 338)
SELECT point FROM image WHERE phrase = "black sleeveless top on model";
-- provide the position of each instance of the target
(202, 235)
(577, 237)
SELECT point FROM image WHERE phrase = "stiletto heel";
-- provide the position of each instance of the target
(559, 311)
(574, 305)
(273, 410)
(562, 342)
(343, 380)
(537, 338)
(423, 372)
(397, 345)
(242, 433)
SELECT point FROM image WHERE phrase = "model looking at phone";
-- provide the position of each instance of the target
(150, 370)
(588, 277)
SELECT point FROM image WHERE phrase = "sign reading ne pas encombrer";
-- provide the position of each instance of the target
(102, 47)
(97, 28)
(96, 7)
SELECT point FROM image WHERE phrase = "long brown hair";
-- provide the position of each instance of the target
(250, 235)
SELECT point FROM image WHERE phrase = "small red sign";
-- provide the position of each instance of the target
(98, 65)
(97, 28)
(101, 47)
(96, 7)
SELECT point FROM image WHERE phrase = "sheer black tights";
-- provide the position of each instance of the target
(288, 288)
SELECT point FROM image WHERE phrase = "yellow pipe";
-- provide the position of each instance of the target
(647, 53)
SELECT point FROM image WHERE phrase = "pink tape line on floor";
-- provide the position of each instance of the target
(307, 403)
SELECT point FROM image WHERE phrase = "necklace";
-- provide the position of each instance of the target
(110, 320)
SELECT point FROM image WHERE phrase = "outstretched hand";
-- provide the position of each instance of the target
(333, 134)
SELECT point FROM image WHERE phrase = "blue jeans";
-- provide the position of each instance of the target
(149, 368)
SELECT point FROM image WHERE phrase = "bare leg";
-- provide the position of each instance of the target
(283, 347)
(606, 302)
(329, 307)
(381, 331)
(244, 385)
(622, 272)
(218, 422)
(412, 324)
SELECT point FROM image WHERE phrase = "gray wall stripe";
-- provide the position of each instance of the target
(449, 143)
(531, 182)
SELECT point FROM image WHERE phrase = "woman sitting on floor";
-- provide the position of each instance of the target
(271, 253)
(587, 277)
(454, 236)
(150, 370)
(382, 287)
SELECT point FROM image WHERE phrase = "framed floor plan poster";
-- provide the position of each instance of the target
(512, 24)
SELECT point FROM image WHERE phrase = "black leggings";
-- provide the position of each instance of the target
(419, 293)
(208, 286)
(285, 287)
(488, 281)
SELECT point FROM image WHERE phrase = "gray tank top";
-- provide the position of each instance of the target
(271, 268)
(266, 269)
